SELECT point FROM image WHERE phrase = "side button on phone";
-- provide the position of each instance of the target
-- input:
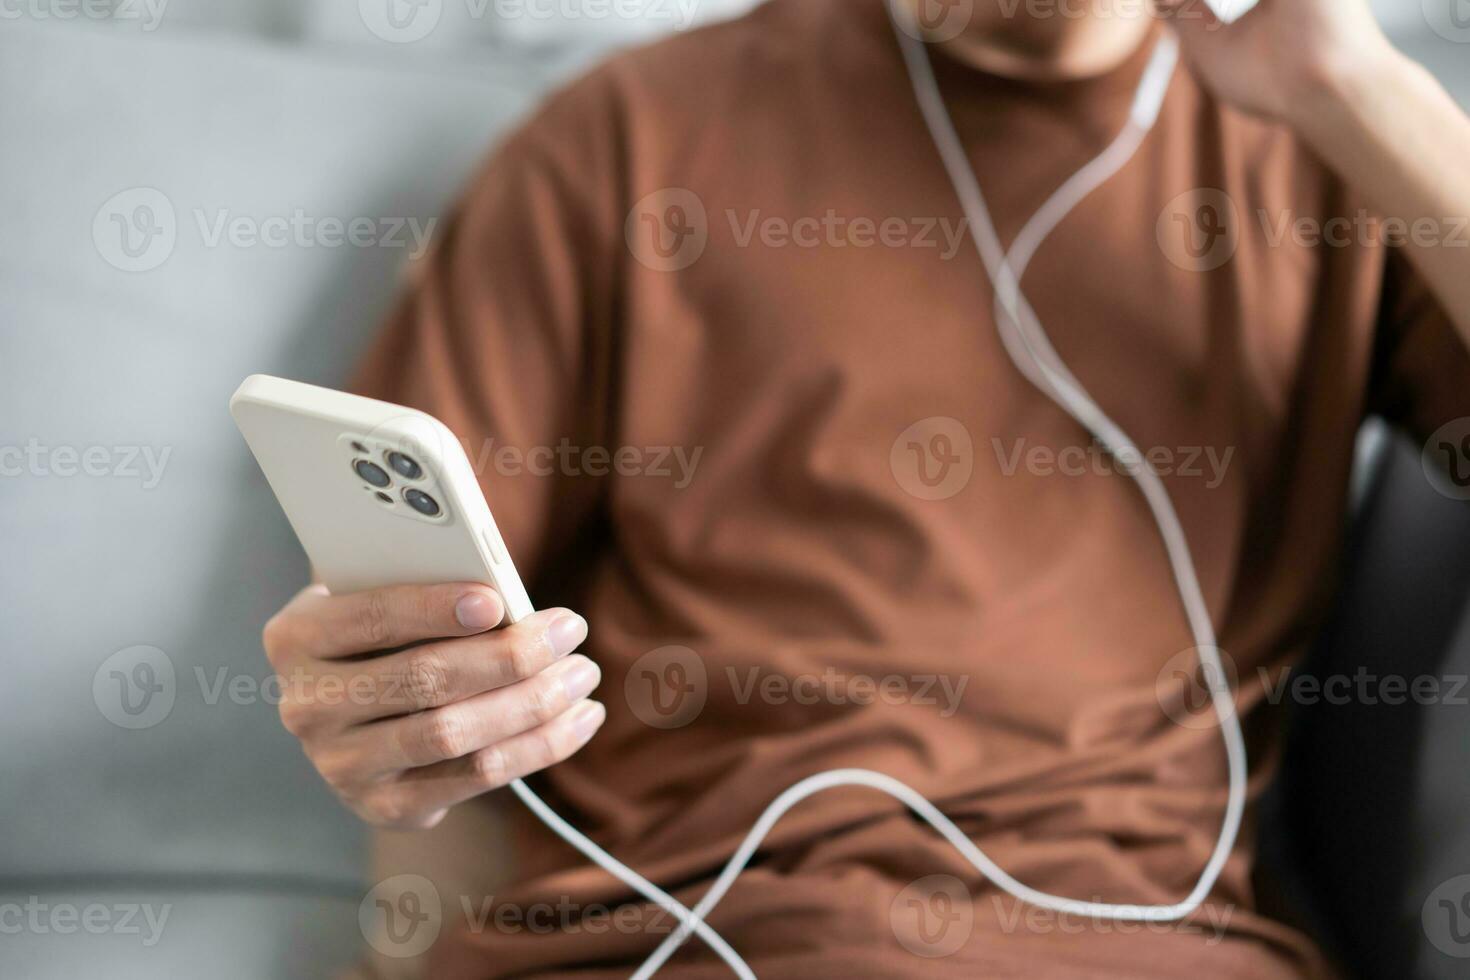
(496, 546)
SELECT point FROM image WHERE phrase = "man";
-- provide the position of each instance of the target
(738, 249)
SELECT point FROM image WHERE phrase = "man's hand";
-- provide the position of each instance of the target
(1281, 59)
(1381, 121)
(407, 704)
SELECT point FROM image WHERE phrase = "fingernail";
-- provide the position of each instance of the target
(567, 633)
(477, 611)
(588, 719)
(579, 678)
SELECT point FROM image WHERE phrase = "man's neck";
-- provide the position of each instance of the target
(1051, 42)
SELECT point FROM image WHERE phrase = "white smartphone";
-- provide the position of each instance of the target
(378, 494)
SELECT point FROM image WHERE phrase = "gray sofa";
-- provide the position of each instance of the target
(212, 811)
(142, 538)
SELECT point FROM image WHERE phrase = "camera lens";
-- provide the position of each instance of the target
(372, 473)
(405, 466)
(421, 502)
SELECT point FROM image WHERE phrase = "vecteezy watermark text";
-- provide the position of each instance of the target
(403, 915)
(1364, 229)
(676, 463)
(1184, 684)
(1201, 229)
(934, 917)
(302, 230)
(138, 229)
(407, 21)
(835, 687)
(36, 917)
(1205, 462)
(37, 459)
(670, 229)
(149, 13)
(836, 230)
(945, 20)
(669, 687)
(1211, 922)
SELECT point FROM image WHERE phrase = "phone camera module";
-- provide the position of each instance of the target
(421, 502)
(405, 466)
(372, 473)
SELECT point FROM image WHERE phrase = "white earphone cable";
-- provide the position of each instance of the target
(1036, 359)
(1026, 342)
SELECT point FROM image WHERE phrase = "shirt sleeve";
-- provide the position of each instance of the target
(505, 330)
(1421, 370)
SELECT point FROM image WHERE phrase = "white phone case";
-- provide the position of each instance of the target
(359, 535)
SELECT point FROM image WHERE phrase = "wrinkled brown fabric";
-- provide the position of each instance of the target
(806, 546)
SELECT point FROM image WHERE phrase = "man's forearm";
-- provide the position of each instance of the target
(1393, 132)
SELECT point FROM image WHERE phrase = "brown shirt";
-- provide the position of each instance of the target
(892, 552)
